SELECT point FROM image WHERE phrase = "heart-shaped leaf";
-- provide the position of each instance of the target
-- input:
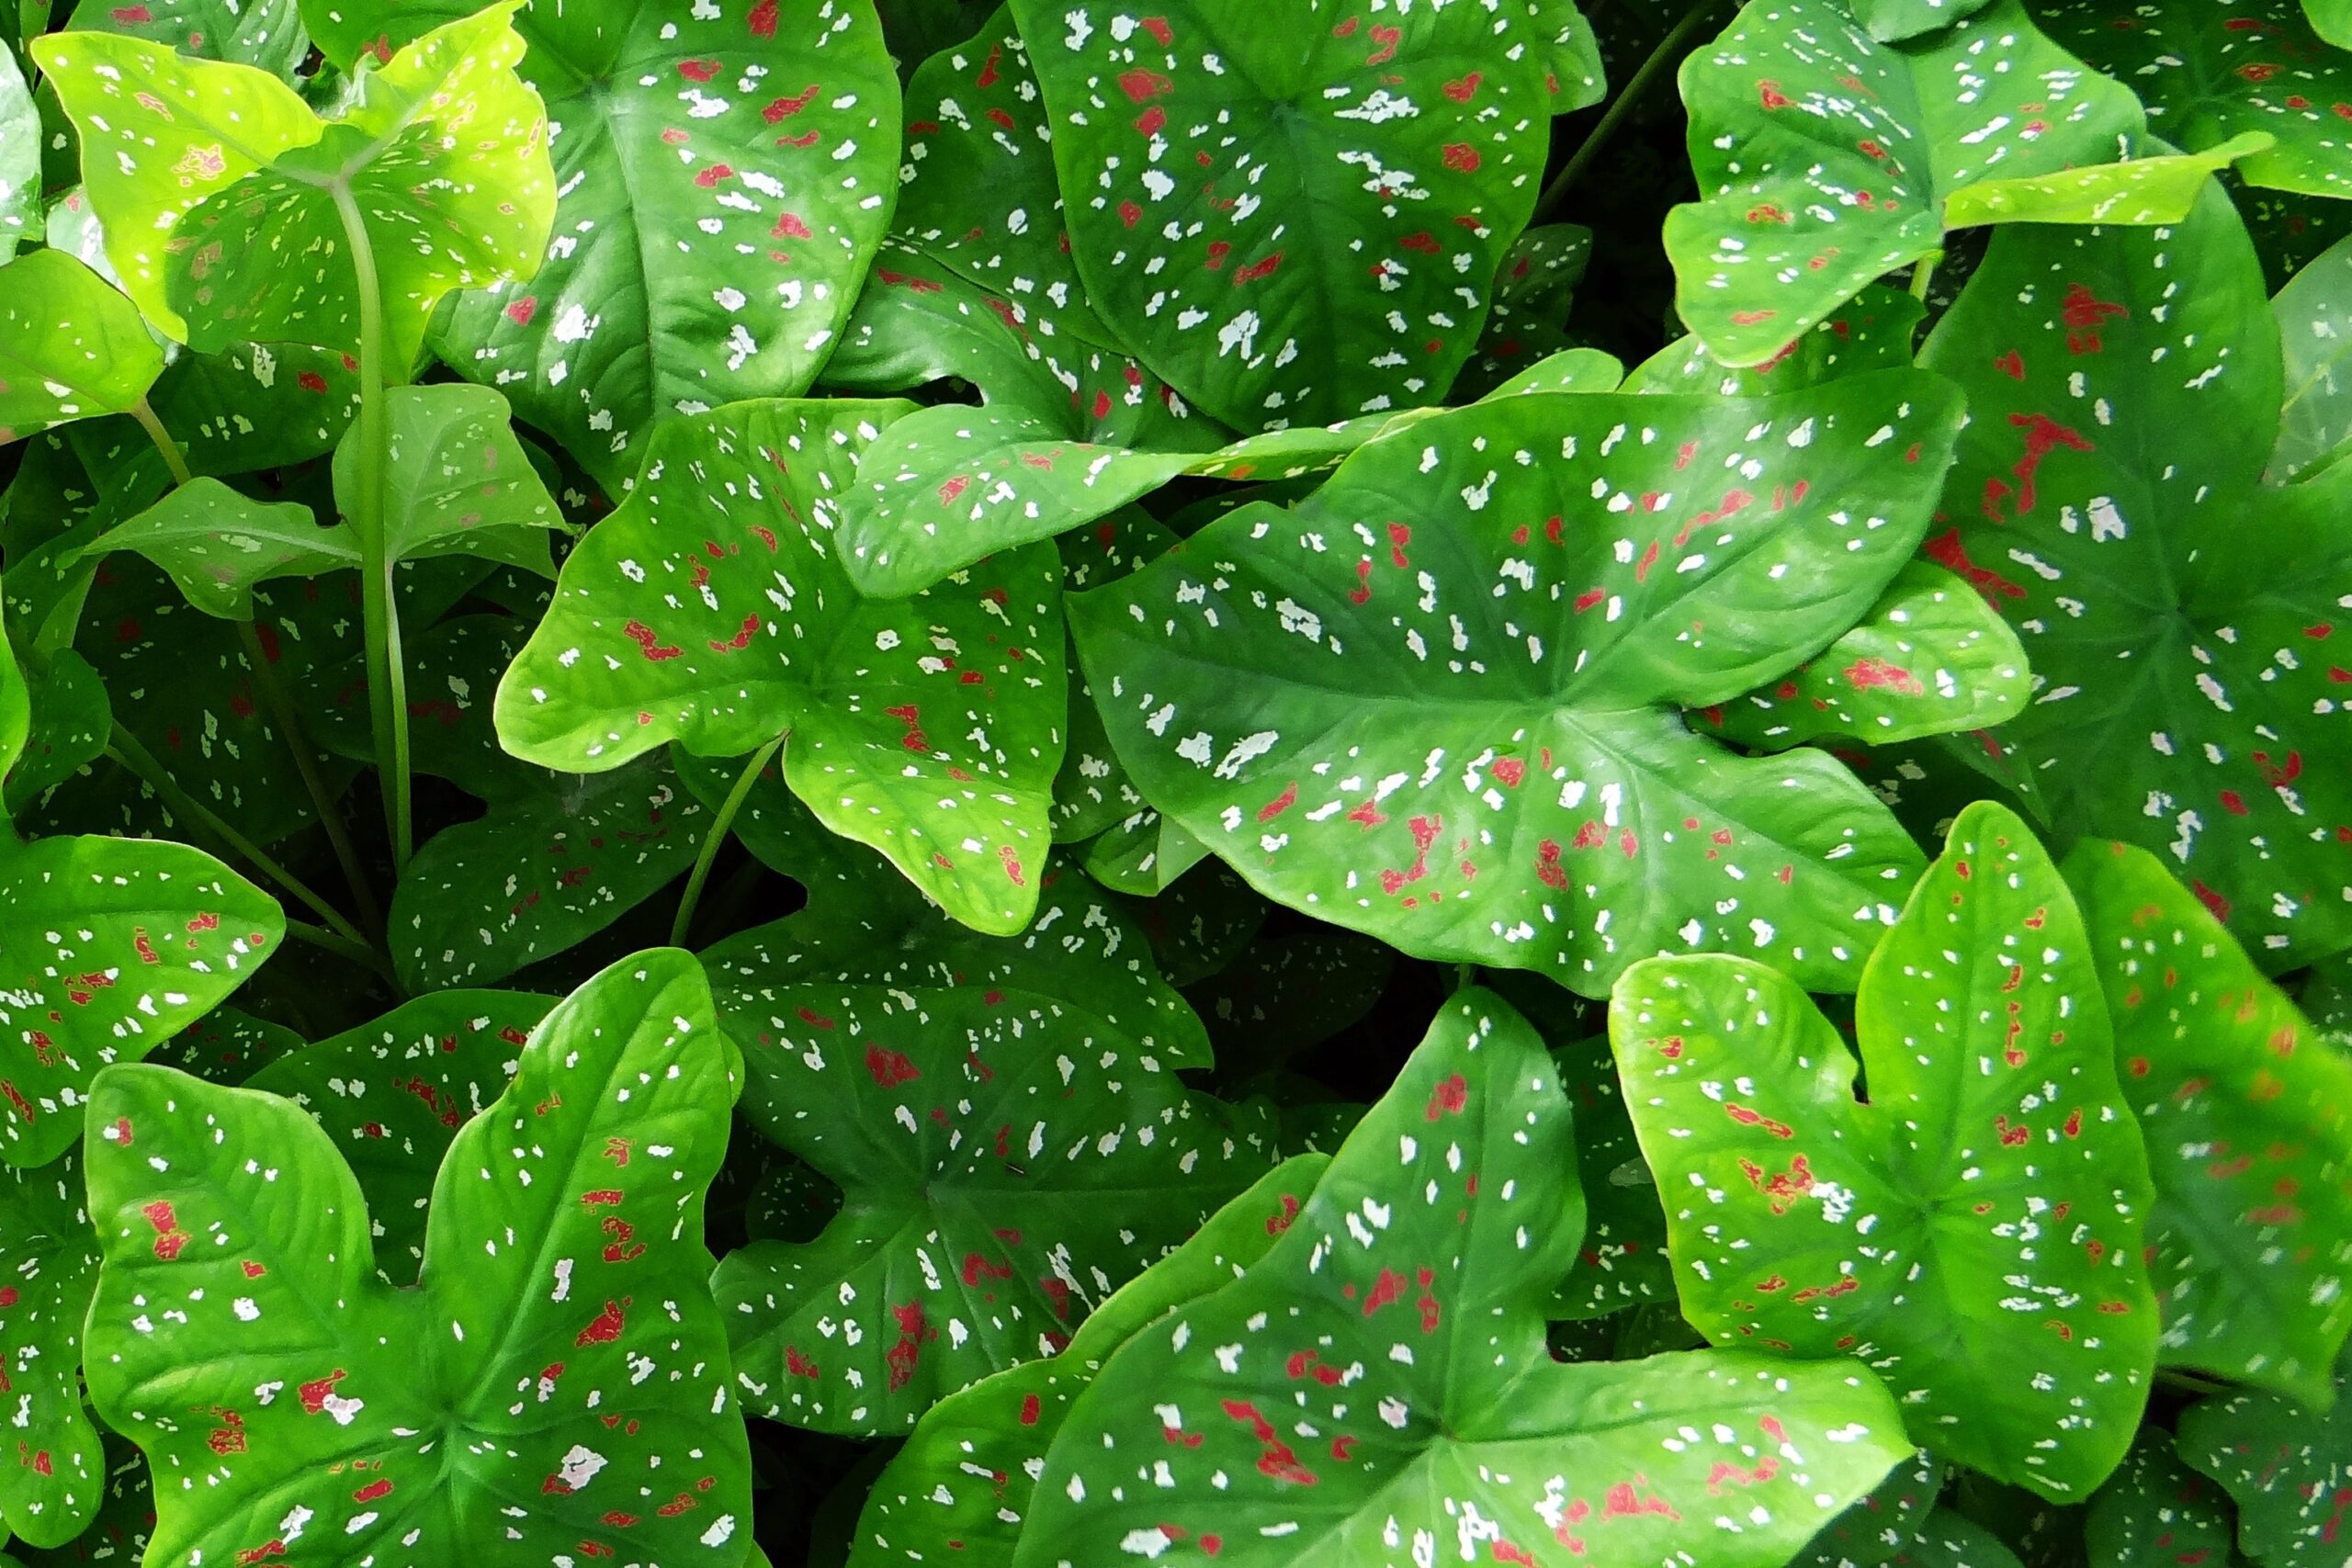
(1527, 319)
(392, 1095)
(2285, 1465)
(575, 1401)
(2089, 505)
(1439, 700)
(2157, 1513)
(2315, 316)
(1190, 145)
(1008, 1159)
(1919, 1231)
(216, 543)
(711, 609)
(1827, 158)
(2247, 1113)
(455, 481)
(256, 405)
(227, 1046)
(961, 1483)
(70, 347)
(207, 177)
(51, 1260)
(1380, 1375)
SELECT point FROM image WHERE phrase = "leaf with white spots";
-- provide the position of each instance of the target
(2287, 1467)
(265, 34)
(2315, 315)
(1974, 1231)
(1874, 330)
(70, 724)
(1931, 658)
(2247, 1112)
(1013, 1145)
(2124, 394)
(1892, 21)
(1826, 158)
(1377, 1383)
(1295, 223)
(556, 1385)
(1440, 700)
(225, 198)
(2156, 1512)
(1874, 1531)
(711, 609)
(962, 1481)
(1527, 320)
(216, 543)
(20, 215)
(457, 481)
(71, 347)
(49, 1262)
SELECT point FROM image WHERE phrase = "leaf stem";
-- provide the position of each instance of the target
(1922, 275)
(386, 683)
(1669, 50)
(1465, 977)
(126, 751)
(172, 458)
(306, 762)
(359, 953)
(717, 835)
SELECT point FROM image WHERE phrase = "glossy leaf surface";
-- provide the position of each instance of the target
(51, 1260)
(70, 347)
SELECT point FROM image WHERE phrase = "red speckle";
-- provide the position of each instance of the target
(1142, 86)
(889, 1068)
(698, 70)
(762, 20)
(1449, 1098)
(604, 1327)
(1460, 157)
(780, 109)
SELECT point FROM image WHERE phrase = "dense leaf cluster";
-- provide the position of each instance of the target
(882, 783)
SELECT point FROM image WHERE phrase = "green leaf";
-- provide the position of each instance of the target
(2212, 73)
(1874, 330)
(457, 482)
(1892, 21)
(267, 35)
(2247, 1113)
(2157, 188)
(2183, 689)
(19, 159)
(452, 669)
(51, 1261)
(70, 347)
(1931, 658)
(2286, 1466)
(1875, 1531)
(1197, 145)
(227, 1046)
(711, 609)
(391, 1095)
(1827, 158)
(1919, 1231)
(1012, 1147)
(217, 543)
(1949, 1539)
(961, 1483)
(253, 406)
(209, 194)
(2314, 317)
(126, 1517)
(2157, 1513)
(71, 724)
(1535, 288)
(1460, 733)
(1380, 1375)
(573, 1399)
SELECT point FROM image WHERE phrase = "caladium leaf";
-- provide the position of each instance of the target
(216, 543)
(2247, 1113)
(1284, 995)
(2156, 1512)
(1911, 1230)
(264, 34)
(70, 347)
(1528, 317)
(227, 1046)
(1532, 619)
(51, 1261)
(1192, 147)
(2285, 1464)
(125, 1516)
(206, 193)
(1380, 1375)
(1949, 1539)
(2088, 505)
(1813, 186)
(1874, 330)
(1931, 658)
(2207, 74)
(960, 1485)
(1007, 1158)
(452, 669)
(576, 1402)
(70, 724)
(2315, 316)
(1874, 1531)
(21, 218)
(254, 405)
(711, 609)
(554, 862)
(392, 1095)
(1892, 21)
(457, 480)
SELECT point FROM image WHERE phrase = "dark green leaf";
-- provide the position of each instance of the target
(2158, 1513)
(216, 544)
(51, 1261)
(2285, 1465)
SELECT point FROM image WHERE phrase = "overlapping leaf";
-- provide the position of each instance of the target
(1377, 1383)
(19, 159)
(1436, 701)
(70, 347)
(50, 1262)
(264, 34)
(2315, 316)
(2285, 1464)
(216, 543)
(2157, 1513)
(1974, 1231)
(2107, 501)
(712, 609)
(573, 1401)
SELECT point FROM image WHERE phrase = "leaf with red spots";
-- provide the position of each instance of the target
(2288, 1466)
(2157, 1513)
(1827, 158)
(1874, 330)
(1974, 1231)
(50, 1262)
(556, 1385)
(1439, 700)
(1380, 1375)
(1931, 658)
(70, 347)
(1534, 288)
(2247, 1111)
(267, 35)
(961, 1484)
(391, 1095)
(1874, 1531)
(1012, 1141)
(2117, 519)
(216, 543)
(712, 609)
(1191, 156)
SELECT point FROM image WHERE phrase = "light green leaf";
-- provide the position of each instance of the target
(264, 34)
(70, 347)
(21, 218)
(2314, 317)
(217, 543)
(457, 481)
(2158, 189)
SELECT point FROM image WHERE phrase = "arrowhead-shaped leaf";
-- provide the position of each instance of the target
(1438, 700)
(2247, 1113)
(2285, 1465)
(2157, 1513)
(71, 347)
(455, 481)
(51, 1260)
(216, 543)
(2117, 519)
(574, 1400)
(1378, 1382)
(712, 609)
(1878, 1529)
(1973, 1232)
